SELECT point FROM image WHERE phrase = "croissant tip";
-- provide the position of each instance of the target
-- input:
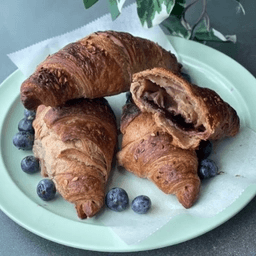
(188, 195)
(87, 209)
(29, 101)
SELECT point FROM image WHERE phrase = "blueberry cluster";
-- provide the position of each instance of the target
(117, 200)
(207, 167)
(24, 139)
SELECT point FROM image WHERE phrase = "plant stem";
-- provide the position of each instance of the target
(203, 14)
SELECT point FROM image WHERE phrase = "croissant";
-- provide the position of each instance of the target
(99, 65)
(75, 144)
(186, 111)
(147, 151)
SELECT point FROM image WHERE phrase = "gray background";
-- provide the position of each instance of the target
(23, 23)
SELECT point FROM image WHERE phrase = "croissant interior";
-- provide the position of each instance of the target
(183, 115)
(186, 111)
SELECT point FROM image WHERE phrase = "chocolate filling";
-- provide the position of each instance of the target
(158, 99)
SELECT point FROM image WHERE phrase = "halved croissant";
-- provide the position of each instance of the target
(148, 152)
(186, 111)
(75, 144)
(99, 65)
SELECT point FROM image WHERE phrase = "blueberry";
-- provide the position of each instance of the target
(30, 164)
(117, 199)
(23, 140)
(26, 125)
(128, 98)
(141, 204)
(29, 114)
(46, 189)
(186, 76)
(207, 169)
(204, 150)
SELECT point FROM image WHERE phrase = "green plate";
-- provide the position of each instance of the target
(57, 221)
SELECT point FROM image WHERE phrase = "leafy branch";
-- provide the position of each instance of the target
(172, 15)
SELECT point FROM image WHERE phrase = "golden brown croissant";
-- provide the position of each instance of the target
(75, 144)
(186, 111)
(147, 151)
(99, 65)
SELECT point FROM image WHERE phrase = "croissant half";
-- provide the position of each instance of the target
(148, 152)
(99, 65)
(75, 144)
(186, 111)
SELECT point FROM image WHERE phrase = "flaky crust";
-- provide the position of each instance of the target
(186, 111)
(99, 65)
(147, 151)
(75, 144)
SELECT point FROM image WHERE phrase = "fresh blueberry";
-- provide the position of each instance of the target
(141, 204)
(207, 169)
(129, 98)
(26, 125)
(23, 140)
(29, 114)
(186, 76)
(204, 150)
(46, 189)
(30, 164)
(117, 199)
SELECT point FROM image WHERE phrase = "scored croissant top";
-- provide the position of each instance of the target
(99, 65)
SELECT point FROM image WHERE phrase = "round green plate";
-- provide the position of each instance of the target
(57, 221)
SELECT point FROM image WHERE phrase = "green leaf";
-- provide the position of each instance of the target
(179, 8)
(174, 26)
(89, 3)
(169, 5)
(175, 23)
(204, 33)
(181, 3)
(153, 12)
(115, 7)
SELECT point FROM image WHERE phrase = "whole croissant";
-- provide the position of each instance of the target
(147, 151)
(186, 111)
(75, 144)
(99, 65)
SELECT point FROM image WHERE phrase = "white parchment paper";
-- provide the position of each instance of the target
(234, 156)
(27, 59)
